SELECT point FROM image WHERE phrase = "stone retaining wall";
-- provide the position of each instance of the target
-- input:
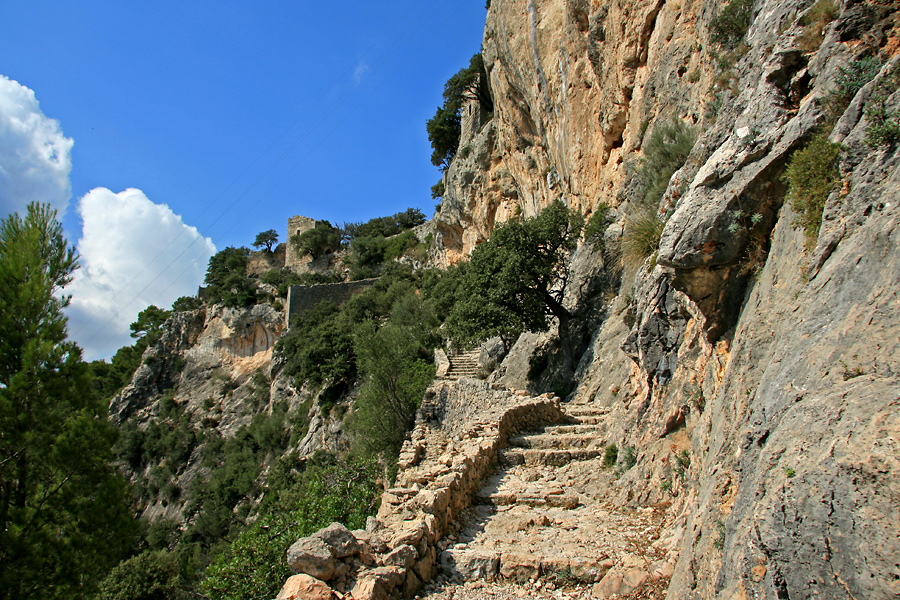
(442, 465)
(302, 298)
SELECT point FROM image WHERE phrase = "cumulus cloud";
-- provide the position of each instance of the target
(35, 159)
(134, 253)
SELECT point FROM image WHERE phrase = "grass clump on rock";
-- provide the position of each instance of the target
(811, 175)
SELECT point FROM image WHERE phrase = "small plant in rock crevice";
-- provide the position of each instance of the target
(610, 456)
(729, 27)
(811, 175)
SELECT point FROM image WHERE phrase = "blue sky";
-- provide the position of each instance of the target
(235, 115)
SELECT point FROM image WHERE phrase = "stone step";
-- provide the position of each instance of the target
(577, 410)
(473, 564)
(556, 441)
(536, 498)
(582, 428)
(589, 420)
(533, 457)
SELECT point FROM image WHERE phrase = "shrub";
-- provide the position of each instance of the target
(395, 376)
(610, 456)
(597, 224)
(227, 279)
(821, 14)
(305, 500)
(640, 239)
(186, 304)
(811, 175)
(883, 127)
(438, 190)
(849, 82)
(665, 152)
(731, 24)
(147, 576)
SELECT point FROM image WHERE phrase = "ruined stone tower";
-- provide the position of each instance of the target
(295, 226)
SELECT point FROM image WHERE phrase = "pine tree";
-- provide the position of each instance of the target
(63, 508)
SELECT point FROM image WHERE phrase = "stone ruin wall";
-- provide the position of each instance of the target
(442, 465)
(302, 298)
(295, 226)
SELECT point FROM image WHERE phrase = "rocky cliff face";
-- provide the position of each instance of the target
(754, 372)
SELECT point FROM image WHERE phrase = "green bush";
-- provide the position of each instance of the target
(328, 490)
(395, 375)
(438, 190)
(186, 304)
(730, 26)
(597, 224)
(883, 127)
(147, 576)
(849, 82)
(811, 175)
(610, 456)
(227, 281)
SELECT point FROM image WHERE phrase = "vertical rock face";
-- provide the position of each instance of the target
(575, 85)
(771, 362)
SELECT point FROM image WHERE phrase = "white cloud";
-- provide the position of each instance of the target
(35, 159)
(359, 72)
(133, 253)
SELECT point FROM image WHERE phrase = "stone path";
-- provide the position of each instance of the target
(542, 521)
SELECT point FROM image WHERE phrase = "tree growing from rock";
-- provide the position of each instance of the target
(266, 238)
(515, 281)
(445, 127)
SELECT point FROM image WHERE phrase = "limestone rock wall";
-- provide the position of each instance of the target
(754, 375)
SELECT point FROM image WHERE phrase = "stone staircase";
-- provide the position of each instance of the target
(543, 515)
(463, 365)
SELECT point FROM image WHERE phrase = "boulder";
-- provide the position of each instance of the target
(304, 587)
(339, 540)
(312, 556)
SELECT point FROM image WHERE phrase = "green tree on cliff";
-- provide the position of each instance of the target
(63, 516)
(444, 128)
(515, 281)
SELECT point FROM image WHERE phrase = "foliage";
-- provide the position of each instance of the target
(152, 575)
(318, 347)
(395, 376)
(731, 24)
(438, 190)
(811, 175)
(515, 280)
(385, 226)
(227, 280)
(327, 490)
(149, 322)
(62, 506)
(610, 456)
(883, 127)
(318, 241)
(665, 152)
(849, 81)
(373, 251)
(186, 304)
(629, 458)
(444, 128)
(814, 21)
(597, 224)
(640, 238)
(266, 238)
